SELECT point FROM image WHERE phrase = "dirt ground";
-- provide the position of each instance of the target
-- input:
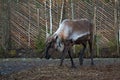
(41, 69)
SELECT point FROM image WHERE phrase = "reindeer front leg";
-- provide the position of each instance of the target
(63, 56)
(91, 51)
(72, 62)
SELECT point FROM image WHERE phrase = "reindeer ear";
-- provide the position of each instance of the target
(55, 37)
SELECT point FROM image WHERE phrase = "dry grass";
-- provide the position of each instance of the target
(51, 72)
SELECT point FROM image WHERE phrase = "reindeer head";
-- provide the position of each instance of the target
(54, 42)
(59, 44)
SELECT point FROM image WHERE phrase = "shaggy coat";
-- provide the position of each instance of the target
(69, 33)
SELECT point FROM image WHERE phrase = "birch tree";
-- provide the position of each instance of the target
(61, 15)
(72, 12)
(116, 25)
(94, 30)
(50, 10)
(46, 23)
(72, 9)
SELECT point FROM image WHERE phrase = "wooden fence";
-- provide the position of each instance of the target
(29, 20)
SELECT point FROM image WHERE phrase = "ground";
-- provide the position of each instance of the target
(42, 69)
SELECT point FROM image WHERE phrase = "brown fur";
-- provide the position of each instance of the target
(66, 35)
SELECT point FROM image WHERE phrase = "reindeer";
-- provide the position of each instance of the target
(69, 33)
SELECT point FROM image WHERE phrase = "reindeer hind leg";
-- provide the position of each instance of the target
(82, 53)
(72, 62)
(91, 51)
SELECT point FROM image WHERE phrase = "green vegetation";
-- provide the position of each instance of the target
(87, 1)
(1, 51)
(39, 45)
(106, 1)
(12, 53)
(37, 4)
(97, 40)
(16, 1)
(77, 50)
(112, 45)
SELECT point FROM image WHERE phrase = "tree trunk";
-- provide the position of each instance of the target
(29, 26)
(5, 24)
(64, 10)
(72, 9)
(94, 41)
(61, 15)
(38, 20)
(72, 12)
(46, 19)
(116, 25)
(50, 10)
